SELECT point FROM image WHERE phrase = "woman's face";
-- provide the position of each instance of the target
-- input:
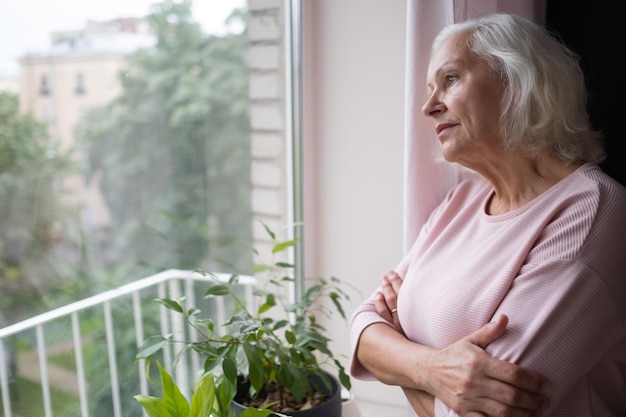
(464, 99)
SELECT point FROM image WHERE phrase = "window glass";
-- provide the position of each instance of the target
(135, 136)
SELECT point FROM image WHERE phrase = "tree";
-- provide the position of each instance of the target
(173, 154)
(173, 148)
(31, 208)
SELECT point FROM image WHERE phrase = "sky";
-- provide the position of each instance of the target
(25, 25)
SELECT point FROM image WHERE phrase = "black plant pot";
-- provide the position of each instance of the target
(330, 408)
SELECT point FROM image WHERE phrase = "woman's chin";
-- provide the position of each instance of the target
(448, 154)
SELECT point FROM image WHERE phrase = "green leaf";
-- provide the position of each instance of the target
(170, 304)
(173, 403)
(249, 328)
(270, 301)
(313, 291)
(193, 311)
(225, 393)
(294, 377)
(344, 378)
(180, 355)
(217, 290)
(154, 407)
(205, 349)
(203, 401)
(279, 247)
(269, 231)
(255, 366)
(211, 362)
(255, 374)
(230, 369)
(174, 400)
(150, 346)
(290, 337)
(260, 268)
(280, 324)
(335, 299)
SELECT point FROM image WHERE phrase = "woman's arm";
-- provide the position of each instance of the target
(463, 375)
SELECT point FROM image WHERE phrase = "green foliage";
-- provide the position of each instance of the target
(23, 138)
(173, 150)
(31, 208)
(27, 400)
(275, 342)
(206, 401)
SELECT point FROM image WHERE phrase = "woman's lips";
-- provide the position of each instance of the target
(441, 127)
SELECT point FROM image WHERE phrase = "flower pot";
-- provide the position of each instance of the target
(330, 408)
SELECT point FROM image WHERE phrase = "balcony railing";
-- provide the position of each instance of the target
(105, 309)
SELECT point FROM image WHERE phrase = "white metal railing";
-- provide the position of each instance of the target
(168, 284)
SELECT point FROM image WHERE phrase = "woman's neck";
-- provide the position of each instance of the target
(520, 180)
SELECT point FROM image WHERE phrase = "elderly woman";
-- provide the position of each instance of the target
(512, 300)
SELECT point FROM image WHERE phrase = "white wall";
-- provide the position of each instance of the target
(354, 55)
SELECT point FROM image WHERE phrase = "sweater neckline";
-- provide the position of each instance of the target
(516, 212)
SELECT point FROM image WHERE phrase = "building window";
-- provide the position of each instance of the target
(79, 89)
(44, 87)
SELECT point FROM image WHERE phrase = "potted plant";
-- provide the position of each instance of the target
(274, 355)
(206, 401)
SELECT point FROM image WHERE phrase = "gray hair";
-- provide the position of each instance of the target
(545, 102)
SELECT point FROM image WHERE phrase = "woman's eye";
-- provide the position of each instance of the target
(450, 78)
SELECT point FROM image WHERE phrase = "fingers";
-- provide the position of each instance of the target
(500, 397)
(390, 287)
(394, 280)
(511, 385)
(496, 408)
(386, 301)
(471, 380)
(381, 307)
(489, 332)
(504, 370)
(396, 322)
(389, 291)
(518, 378)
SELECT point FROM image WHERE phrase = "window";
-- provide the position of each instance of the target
(44, 88)
(175, 158)
(79, 89)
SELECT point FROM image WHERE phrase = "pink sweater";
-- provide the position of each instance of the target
(556, 267)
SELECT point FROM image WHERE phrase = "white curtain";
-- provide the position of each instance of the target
(426, 181)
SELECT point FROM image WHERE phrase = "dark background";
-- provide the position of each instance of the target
(595, 30)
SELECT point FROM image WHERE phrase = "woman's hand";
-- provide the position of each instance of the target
(386, 302)
(472, 383)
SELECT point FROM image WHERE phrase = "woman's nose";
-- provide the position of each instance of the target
(432, 106)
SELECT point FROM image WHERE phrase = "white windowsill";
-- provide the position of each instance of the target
(377, 409)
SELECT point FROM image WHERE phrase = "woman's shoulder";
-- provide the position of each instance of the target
(597, 178)
(591, 186)
(611, 196)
